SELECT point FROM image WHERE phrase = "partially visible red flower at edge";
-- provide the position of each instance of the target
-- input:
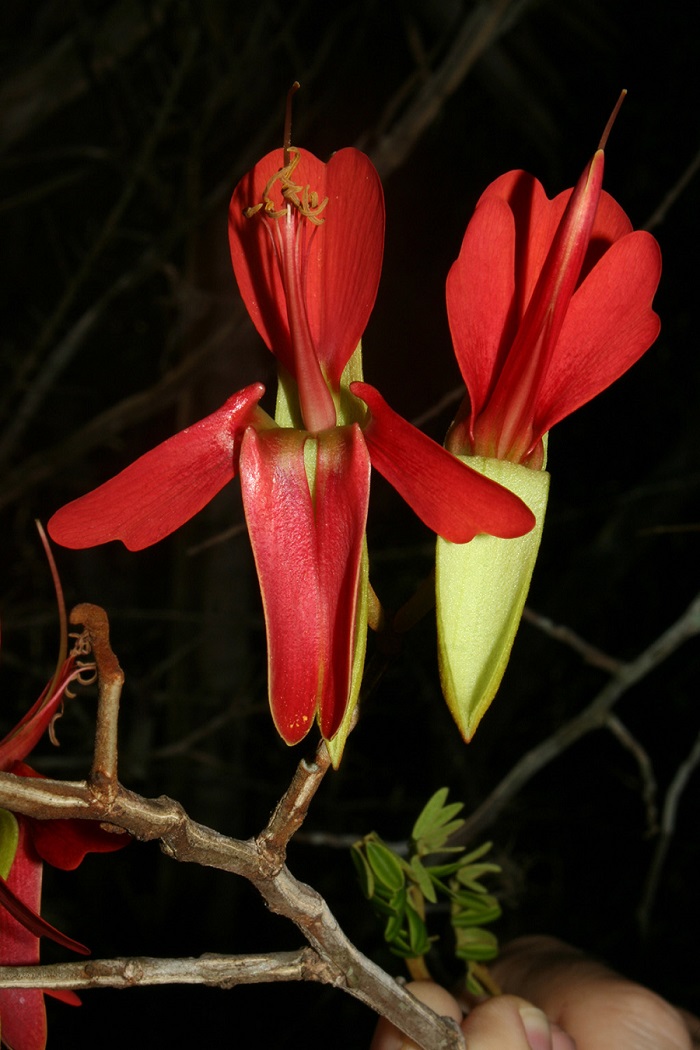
(306, 243)
(549, 303)
(25, 844)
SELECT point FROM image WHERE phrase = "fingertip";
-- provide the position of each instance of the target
(388, 1037)
(511, 1023)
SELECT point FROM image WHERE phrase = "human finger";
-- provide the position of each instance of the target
(600, 1009)
(503, 1023)
(508, 1022)
(388, 1037)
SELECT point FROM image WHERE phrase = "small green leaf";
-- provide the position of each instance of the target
(435, 823)
(488, 910)
(441, 871)
(423, 880)
(393, 927)
(476, 944)
(477, 853)
(419, 941)
(399, 888)
(364, 872)
(435, 814)
(385, 865)
(469, 877)
(382, 907)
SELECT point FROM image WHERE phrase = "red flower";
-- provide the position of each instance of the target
(306, 243)
(25, 843)
(549, 303)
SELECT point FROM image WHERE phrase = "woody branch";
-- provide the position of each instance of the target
(333, 960)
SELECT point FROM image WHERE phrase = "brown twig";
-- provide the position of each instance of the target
(216, 971)
(60, 356)
(590, 653)
(290, 812)
(114, 420)
(592, 717)
(452, 397)
(478, 31)
(336, 960)
(668, 827)
(110, 679)
(646, 770)
(685, 178)
(183, 839)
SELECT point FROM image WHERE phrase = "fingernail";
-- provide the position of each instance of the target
(537, 1028)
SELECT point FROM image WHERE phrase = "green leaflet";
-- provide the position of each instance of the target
(435, 823)
(403, 889)
(481, 589)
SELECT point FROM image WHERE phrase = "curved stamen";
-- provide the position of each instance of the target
(303, 198)
(287, 230)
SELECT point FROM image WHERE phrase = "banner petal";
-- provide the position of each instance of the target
(480, 290)
(339, 260)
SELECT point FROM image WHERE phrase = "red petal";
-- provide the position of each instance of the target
(254, 261)
(609, 325)
(308, 556)
(19, 945)
(22, 739)
(343, 286)
(32, 921)
(65, 995)
(536, 220)
(165, 487)
(451, 498)
(341, 498)
(505, 427)
(343, 262)
(503, 252)
(23, 1016)
(610, 225)
(64, 843)
(480, 287)
(280, 518)
(22, 1010)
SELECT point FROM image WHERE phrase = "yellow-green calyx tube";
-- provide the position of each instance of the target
(336, 746)
(481, 589)
(9, 840)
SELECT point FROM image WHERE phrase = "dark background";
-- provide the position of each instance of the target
(124, 126)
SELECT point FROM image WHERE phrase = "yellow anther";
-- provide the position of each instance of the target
(301, 197)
